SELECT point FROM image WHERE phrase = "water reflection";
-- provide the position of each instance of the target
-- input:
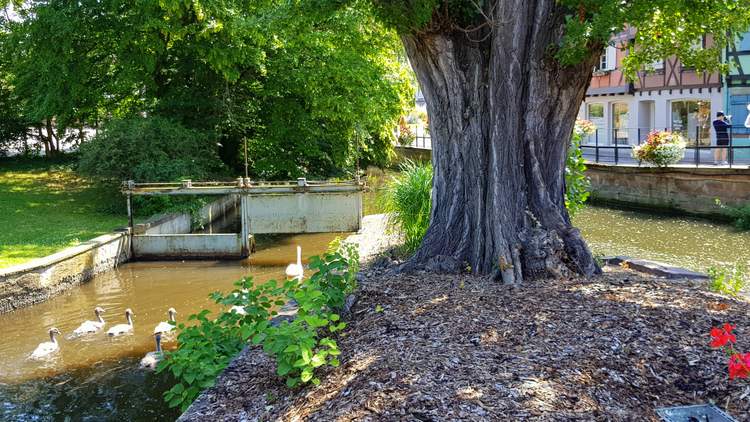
(681, 241)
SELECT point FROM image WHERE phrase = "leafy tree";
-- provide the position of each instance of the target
(311, 89)
(503, 81)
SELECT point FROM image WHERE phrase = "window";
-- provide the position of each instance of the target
(692, 118)
(608, 59)
(595, 111)
(620, 127)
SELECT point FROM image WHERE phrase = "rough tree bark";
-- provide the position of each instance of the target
(502, 110)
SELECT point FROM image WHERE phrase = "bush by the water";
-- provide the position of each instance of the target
(299, 346)
(728, 280)
(149, 149)
(406, 199)
(577, 184)
(662, 148)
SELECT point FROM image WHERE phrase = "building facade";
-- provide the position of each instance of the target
(671, 96)
(738, 88)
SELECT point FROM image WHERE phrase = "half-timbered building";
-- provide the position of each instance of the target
(670, 96)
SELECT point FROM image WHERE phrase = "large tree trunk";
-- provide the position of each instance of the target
(502, 110)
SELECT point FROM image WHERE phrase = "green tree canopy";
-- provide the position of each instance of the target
(310, 89)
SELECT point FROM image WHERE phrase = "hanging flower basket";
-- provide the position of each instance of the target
(662, 148)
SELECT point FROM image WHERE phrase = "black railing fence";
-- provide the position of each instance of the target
(615, 146)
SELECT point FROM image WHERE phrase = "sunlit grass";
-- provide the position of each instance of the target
(44, 208)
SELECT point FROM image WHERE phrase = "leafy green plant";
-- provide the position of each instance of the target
(577, 184)
(729, 281)
(406, 198)
(208, 345)
(741, 216)
(298, 346)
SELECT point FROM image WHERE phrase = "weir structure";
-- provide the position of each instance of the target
(286, 207)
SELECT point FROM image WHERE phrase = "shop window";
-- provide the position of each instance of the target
(620, 123)
(692, 118)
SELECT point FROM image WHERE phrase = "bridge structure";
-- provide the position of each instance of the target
(285, 207)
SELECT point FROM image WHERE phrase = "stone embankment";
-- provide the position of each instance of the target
(40, 279)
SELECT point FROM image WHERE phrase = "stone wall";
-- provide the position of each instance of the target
(35, 281)
(684, 189)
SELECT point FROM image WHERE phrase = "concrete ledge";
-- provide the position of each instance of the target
(688, 190)
(37, 280)
(655, 268)
(187, 246)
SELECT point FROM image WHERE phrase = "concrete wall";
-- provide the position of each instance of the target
(182, 246)
(305, 213)
(690, 190)
(414, 154)
(42, 278)
(180, 223)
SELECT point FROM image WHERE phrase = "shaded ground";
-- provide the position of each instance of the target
(45, 207)
(461, 347)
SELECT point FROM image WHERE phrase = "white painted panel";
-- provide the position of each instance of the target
(305, 213)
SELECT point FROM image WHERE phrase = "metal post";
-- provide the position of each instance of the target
(617, 148)
(130, 212)
(697, 154)
(244, 225)
(596, 144)
(731, 147)
(639, 142)
(245, 139)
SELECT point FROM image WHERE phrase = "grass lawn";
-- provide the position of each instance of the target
(45, 207)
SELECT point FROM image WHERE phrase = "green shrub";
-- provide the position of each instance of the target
(406, 198)
(741, 216)
(729, 281)
(149, 149)
(577, 184)
(298, 346)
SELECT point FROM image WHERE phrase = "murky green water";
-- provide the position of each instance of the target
(681, 241)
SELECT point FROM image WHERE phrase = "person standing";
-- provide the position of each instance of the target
(721, 126)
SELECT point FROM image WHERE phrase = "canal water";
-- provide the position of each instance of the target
(692, 243)
(97, 378)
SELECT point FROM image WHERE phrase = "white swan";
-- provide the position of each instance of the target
(165, 326)
(48, 347)
(239, 310)
(91, 326)
(123, 328)
(152, 358)
(296, 271)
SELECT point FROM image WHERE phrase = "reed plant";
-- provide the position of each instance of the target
(406, 198)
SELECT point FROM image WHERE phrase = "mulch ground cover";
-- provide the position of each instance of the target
(440, 347)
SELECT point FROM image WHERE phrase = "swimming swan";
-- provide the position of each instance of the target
(296, 271)
(48, 347)
(152, 358)
(91, 326)
(123, 328)
(165, 326)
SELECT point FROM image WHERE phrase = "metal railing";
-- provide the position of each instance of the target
(421, 142)
(615, 147)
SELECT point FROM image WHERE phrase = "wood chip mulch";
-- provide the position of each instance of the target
(438, 347)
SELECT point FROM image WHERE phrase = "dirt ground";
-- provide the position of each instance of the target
(439, 347)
